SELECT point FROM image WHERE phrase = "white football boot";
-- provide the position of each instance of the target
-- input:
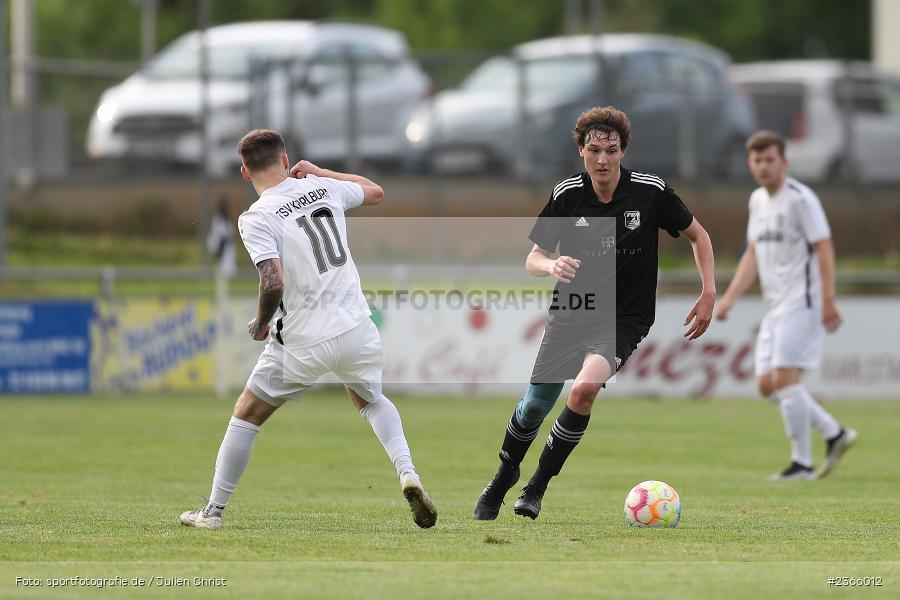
(205, 518)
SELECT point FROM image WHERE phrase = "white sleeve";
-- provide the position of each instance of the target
(812, 218)
(258, 237)
(349, 194)
(750, 220)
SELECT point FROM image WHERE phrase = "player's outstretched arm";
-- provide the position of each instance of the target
(372, 192)
(701, 312)
(271, 288)
(831, 318)
(539, 264)
(744, 276)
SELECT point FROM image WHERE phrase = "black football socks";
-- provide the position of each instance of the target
(567, 431)
(516, 442)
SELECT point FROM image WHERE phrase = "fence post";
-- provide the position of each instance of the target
(523, 160)
(4, 130)
(353, 152)
(687, 143)
(205, 187)
(222, 320)
(108, 281)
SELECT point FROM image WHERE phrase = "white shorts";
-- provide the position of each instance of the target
(356, 357)
(793, 340)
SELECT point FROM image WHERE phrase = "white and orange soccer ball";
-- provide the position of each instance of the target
(652, 504)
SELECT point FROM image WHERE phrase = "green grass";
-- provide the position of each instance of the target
(92, 487)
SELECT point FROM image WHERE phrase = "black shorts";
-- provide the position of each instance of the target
(563, 348)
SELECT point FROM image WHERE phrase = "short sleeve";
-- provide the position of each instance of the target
(547, 229)
(674, 216)
(750, 220)
(258, 237)
(812, 218)
(349, 194)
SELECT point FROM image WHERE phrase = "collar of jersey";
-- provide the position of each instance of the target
(590, 194)
(275, 188)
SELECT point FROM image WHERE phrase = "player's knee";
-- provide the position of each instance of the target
(537, 403)
(583, 393)
(251, 409)
(765, 387)
(781, 381)
(531, 414)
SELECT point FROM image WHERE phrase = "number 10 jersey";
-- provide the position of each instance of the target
(301, 222)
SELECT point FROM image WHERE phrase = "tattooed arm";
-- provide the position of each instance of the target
(271, 287)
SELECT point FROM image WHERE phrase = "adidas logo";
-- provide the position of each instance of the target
(581, 222)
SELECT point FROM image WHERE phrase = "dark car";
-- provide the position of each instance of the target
(516, 112)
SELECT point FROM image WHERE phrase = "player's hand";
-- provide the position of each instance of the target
(564, 268)
(701, 314)
(304, 168)
(831, 318)
(722, 309)
(260, 334)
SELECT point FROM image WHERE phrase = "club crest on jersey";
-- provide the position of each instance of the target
(632, 219)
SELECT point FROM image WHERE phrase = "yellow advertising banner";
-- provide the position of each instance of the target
(153, 345)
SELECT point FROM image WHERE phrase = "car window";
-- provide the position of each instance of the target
(561, 76)
(864, 94)
(700, 75)
(181, 59)
(777, 104)
(328, 65)
(495, 74)
(642, 70)
(558, 76)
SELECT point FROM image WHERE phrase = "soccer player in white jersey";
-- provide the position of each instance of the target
(789, 245)
(296, 235)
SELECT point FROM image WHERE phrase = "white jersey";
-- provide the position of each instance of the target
(783, 227)
(301, 222)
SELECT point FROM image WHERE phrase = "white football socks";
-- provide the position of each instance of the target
(234, 454)
(796, 415)
(385, 422)
(825, 424)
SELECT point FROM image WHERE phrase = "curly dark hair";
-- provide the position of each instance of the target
(604, 120)
(260, 149)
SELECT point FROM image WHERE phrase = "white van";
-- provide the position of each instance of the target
(841, 119)
(155, 113)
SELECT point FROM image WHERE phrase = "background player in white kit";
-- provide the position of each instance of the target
(296, 235)
(789, 244)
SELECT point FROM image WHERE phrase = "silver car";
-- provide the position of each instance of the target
(516, 112)
(155, 113)
(841, 119)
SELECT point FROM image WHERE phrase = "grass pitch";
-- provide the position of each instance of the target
(91, 488)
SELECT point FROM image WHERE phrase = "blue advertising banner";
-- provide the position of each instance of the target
(45, 347)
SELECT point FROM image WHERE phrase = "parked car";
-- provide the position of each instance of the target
(687, 118)
(841, 119)
(155, 113)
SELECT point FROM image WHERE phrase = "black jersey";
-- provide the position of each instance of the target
(641, 205)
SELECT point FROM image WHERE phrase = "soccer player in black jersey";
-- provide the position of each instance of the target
(605, 222)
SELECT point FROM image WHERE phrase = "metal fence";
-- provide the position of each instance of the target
(453, 114)
(108, 281)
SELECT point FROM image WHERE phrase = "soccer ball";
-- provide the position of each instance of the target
(652, 504)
